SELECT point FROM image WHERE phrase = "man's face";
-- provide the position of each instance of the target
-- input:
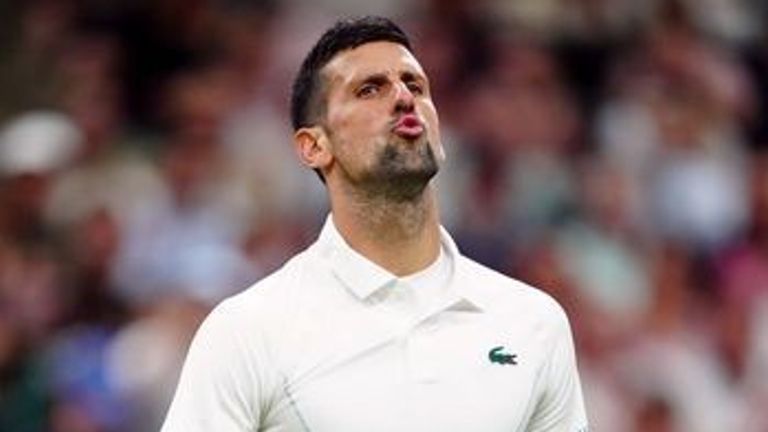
(380, 120)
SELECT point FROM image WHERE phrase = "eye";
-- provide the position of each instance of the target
(367, 90)
(415, 87)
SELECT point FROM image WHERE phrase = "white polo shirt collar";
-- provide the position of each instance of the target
(364, 278)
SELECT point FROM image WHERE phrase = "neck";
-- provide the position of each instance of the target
(403, 237)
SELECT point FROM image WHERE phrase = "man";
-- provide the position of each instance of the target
(381, 325)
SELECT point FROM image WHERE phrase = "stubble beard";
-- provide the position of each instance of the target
(401, 171)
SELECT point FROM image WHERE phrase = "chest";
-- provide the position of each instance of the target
(456, 371)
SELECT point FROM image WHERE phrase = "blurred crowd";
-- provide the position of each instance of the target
(610, 152)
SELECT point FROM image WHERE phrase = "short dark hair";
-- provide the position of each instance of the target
(306, 101)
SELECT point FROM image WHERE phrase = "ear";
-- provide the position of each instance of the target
(312, 147)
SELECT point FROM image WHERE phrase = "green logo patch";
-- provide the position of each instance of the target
(497, 355)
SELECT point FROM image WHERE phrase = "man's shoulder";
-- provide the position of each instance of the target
(268, 298)
(506, 295)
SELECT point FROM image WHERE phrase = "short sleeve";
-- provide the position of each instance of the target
(219, 387)
(560, 407)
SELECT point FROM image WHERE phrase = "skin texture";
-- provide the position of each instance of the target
(378, 173)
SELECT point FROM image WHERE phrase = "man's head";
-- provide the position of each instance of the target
(362, 111)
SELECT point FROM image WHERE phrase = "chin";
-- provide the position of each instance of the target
(407, 173)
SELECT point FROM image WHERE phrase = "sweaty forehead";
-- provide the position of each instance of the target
(371, 58)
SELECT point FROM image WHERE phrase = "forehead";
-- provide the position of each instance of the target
(371, 58)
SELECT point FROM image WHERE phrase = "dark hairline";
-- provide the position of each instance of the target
(323, 79)
(343, 36)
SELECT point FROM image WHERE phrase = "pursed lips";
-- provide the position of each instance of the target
(408, 126)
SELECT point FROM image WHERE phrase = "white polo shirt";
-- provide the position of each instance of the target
(332, 342)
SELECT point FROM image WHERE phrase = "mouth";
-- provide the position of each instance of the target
(408, 126)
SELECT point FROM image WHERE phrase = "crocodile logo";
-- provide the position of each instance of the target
(497, 355)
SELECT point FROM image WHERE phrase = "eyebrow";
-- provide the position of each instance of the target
(410, 76)
(381, 77)
(377, 78)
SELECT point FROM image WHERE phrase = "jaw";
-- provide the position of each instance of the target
(401, 171)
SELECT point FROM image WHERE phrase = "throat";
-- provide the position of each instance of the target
(401, 236)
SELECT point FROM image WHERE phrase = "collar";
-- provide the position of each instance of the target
(363, 277)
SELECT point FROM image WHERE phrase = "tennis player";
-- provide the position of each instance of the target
(381, 324)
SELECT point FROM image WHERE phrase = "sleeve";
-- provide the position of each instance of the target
(560, 407)
(219, 386)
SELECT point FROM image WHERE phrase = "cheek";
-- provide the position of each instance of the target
(355, 123)
(352, 133)
(430, 116)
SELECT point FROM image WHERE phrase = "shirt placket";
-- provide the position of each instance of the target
(423, 353)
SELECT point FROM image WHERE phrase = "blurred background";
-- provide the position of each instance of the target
(610, 152)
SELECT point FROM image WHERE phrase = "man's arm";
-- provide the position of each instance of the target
(561, 405)
(219, 387)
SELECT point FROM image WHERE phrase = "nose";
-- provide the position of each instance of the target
(404, 98)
